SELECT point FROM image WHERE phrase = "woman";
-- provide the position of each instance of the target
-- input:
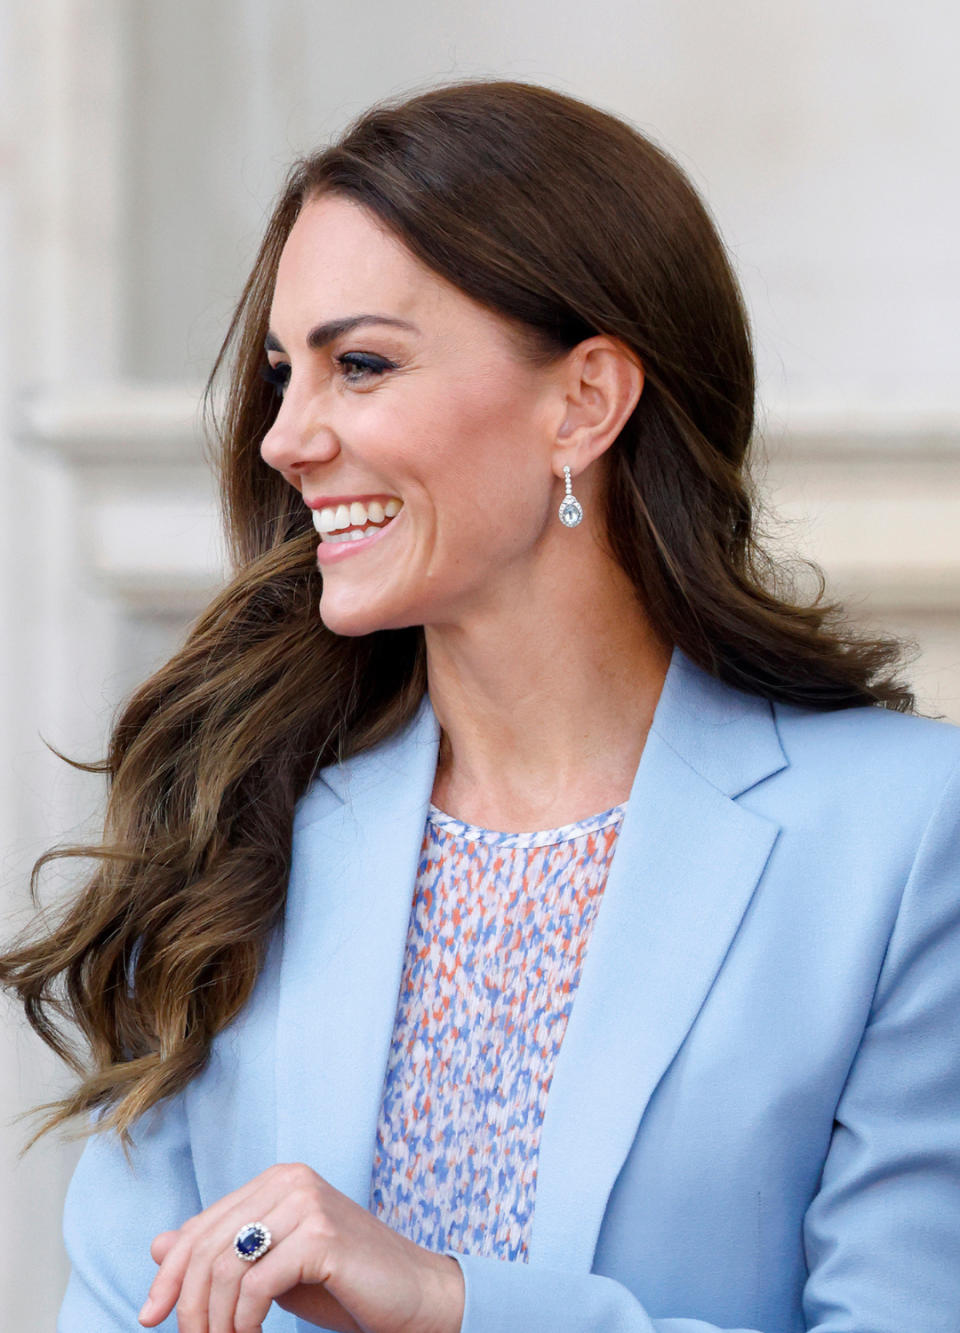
(522, 916)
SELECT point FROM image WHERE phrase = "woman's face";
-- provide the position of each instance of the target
(436, 411)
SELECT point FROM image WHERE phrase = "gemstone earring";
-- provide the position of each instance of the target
(570, 510)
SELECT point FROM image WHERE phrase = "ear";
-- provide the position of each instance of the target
(602, 380)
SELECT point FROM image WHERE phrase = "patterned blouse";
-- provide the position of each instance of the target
(498, 932)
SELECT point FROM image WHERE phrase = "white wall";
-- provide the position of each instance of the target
(138, 154)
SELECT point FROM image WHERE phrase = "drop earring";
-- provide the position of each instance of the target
(570, 511)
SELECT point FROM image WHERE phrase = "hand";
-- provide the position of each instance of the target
(331, 1263)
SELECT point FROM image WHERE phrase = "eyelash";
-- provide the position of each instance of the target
(279, 375)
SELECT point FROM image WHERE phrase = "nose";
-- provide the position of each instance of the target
(296, 440)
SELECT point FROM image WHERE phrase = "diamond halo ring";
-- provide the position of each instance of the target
(251, 1241)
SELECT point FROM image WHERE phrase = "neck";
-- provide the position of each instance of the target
(544, 708)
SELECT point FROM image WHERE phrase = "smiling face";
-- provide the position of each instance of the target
(437, 410)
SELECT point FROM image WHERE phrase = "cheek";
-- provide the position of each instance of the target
(466, 453)
(484, 518)
(482, 439)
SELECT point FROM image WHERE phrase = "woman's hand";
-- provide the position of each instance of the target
(331, 1263)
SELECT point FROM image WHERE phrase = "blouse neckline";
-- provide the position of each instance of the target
(579, 828)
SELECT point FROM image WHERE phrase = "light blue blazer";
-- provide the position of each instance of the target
(754, 1123)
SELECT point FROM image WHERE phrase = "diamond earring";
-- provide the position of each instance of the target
(570, 511)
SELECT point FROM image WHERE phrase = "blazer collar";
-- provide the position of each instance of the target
(687, 861)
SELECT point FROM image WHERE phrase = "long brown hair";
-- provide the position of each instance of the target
(567, 222)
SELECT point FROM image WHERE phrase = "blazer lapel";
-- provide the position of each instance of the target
(687, 862)
(357, 839)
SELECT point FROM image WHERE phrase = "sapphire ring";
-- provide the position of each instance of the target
(251, 1241)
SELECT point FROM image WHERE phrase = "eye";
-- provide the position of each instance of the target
(278, 376)
(365, 365)
(359, 363)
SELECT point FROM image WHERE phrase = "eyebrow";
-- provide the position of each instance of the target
(335, 328)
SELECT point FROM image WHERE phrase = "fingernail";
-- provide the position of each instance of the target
(145, 1312)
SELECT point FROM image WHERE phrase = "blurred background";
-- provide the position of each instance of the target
(140, 147)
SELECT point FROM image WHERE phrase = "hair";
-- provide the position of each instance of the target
(567, 222)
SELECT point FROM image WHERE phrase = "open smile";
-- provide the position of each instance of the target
(330, 552)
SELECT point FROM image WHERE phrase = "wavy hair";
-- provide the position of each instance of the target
(567, 222)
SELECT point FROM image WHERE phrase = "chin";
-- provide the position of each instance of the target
(350, 626)
(355, 621)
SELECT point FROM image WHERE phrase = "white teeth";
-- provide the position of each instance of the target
(354, 535)
(333, 519)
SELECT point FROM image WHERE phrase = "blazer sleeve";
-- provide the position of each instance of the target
(882, 1233)
(113, 1210)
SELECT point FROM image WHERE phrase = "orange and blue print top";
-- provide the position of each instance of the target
(498, 932)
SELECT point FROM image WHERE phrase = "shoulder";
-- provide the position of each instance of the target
(870, 738)
(885, 773)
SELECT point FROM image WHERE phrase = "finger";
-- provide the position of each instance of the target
(165, 1289)
(295, 1216)
(229, 1271)
(226, 1274)
(162, 1244)
(213, 1274)
(300, 1256)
